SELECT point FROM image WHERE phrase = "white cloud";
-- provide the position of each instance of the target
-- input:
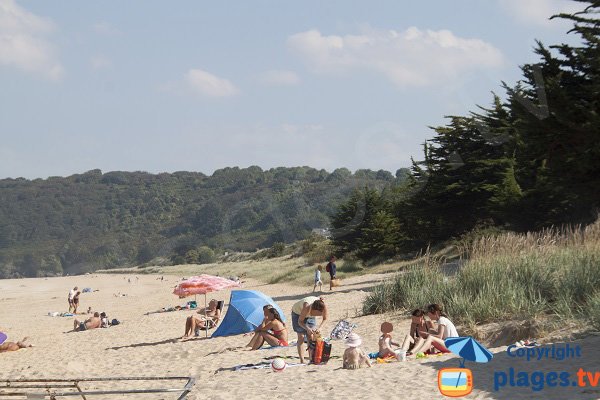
(23, 42)
(105, 29)
(410, 58)
(538, 12)
(280, 78)
(98, 62)
(209, 84)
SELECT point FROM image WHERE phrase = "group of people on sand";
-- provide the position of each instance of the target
(426, 336)
(98, 320)
(73, 299)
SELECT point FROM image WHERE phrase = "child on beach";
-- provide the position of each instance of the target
(354, 356)
(385, 342)
(318, 280)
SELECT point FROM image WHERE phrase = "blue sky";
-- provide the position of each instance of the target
(169, 86)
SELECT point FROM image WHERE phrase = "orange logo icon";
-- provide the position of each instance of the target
(455, 382)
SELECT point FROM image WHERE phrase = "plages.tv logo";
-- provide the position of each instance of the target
(458, 382)
(455, 382)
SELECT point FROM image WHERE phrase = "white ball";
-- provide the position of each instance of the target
(278, 364)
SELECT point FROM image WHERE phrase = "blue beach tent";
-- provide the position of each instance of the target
(245, 312)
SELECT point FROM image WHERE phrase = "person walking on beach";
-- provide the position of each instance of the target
(318, 280)
(331, 268)
(72, 293)
(76, 302)
(304, 322)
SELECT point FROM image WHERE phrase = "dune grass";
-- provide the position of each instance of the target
(510, 276)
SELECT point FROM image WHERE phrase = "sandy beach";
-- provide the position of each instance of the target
(149, 345)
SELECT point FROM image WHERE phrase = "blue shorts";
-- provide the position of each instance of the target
(311, 322)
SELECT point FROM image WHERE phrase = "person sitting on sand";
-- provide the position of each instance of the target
(386, 342)
(90, 323)
(304, 313)
(256, 338)
(104, 322)
(434, 337)
(194, 324)
(277, 326)
(354, 356)
(12, 346)
(417, 325)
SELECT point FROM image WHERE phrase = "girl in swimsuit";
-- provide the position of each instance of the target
(277, 326)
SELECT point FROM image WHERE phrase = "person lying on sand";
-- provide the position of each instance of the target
(354, 356)
(90, 323)
(12, 346)
(385, 341)
(277, 326)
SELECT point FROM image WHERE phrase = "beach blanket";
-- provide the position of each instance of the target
(342, 329)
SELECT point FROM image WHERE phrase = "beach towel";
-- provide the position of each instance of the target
(342, 329)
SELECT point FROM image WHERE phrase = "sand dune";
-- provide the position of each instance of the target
(148, 345)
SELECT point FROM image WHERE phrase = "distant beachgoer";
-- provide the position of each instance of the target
(354, 356)
(332, 269)
(436, 338)
(71, 295)
(104, 322)
(89, 310)
(386, 342)
(12, 346)
(279, 335)
(304, 313)
(90, 323)
(318, 280)
(76, 302)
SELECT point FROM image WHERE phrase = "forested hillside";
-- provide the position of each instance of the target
(528, 161)
(93, 220)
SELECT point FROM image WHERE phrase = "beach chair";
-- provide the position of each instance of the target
(211, 322)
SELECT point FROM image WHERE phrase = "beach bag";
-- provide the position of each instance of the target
(318, 351)
(326, 352)
(115, 322)
(342, 330)
(336, 282)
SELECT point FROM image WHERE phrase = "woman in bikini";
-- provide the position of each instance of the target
(435, 337)
(194, 324)
(417, 325)
(277, 326)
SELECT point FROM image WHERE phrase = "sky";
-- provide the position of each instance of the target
(163, 86)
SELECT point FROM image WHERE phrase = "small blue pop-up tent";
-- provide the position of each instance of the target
(245, 312)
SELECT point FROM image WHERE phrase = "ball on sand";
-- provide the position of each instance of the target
(278, 364)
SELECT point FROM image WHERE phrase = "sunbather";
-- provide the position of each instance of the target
(90, 323)
(417, 325)
(256, 338)
(279, 335)
(434, 337)
(12, 346)
(194, 324)
(211, 309)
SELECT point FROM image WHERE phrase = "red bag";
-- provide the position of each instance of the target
(318, 352)
(328, 267)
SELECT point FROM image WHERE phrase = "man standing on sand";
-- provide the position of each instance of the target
(90, 323)
(331, 268)
(72, 293)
